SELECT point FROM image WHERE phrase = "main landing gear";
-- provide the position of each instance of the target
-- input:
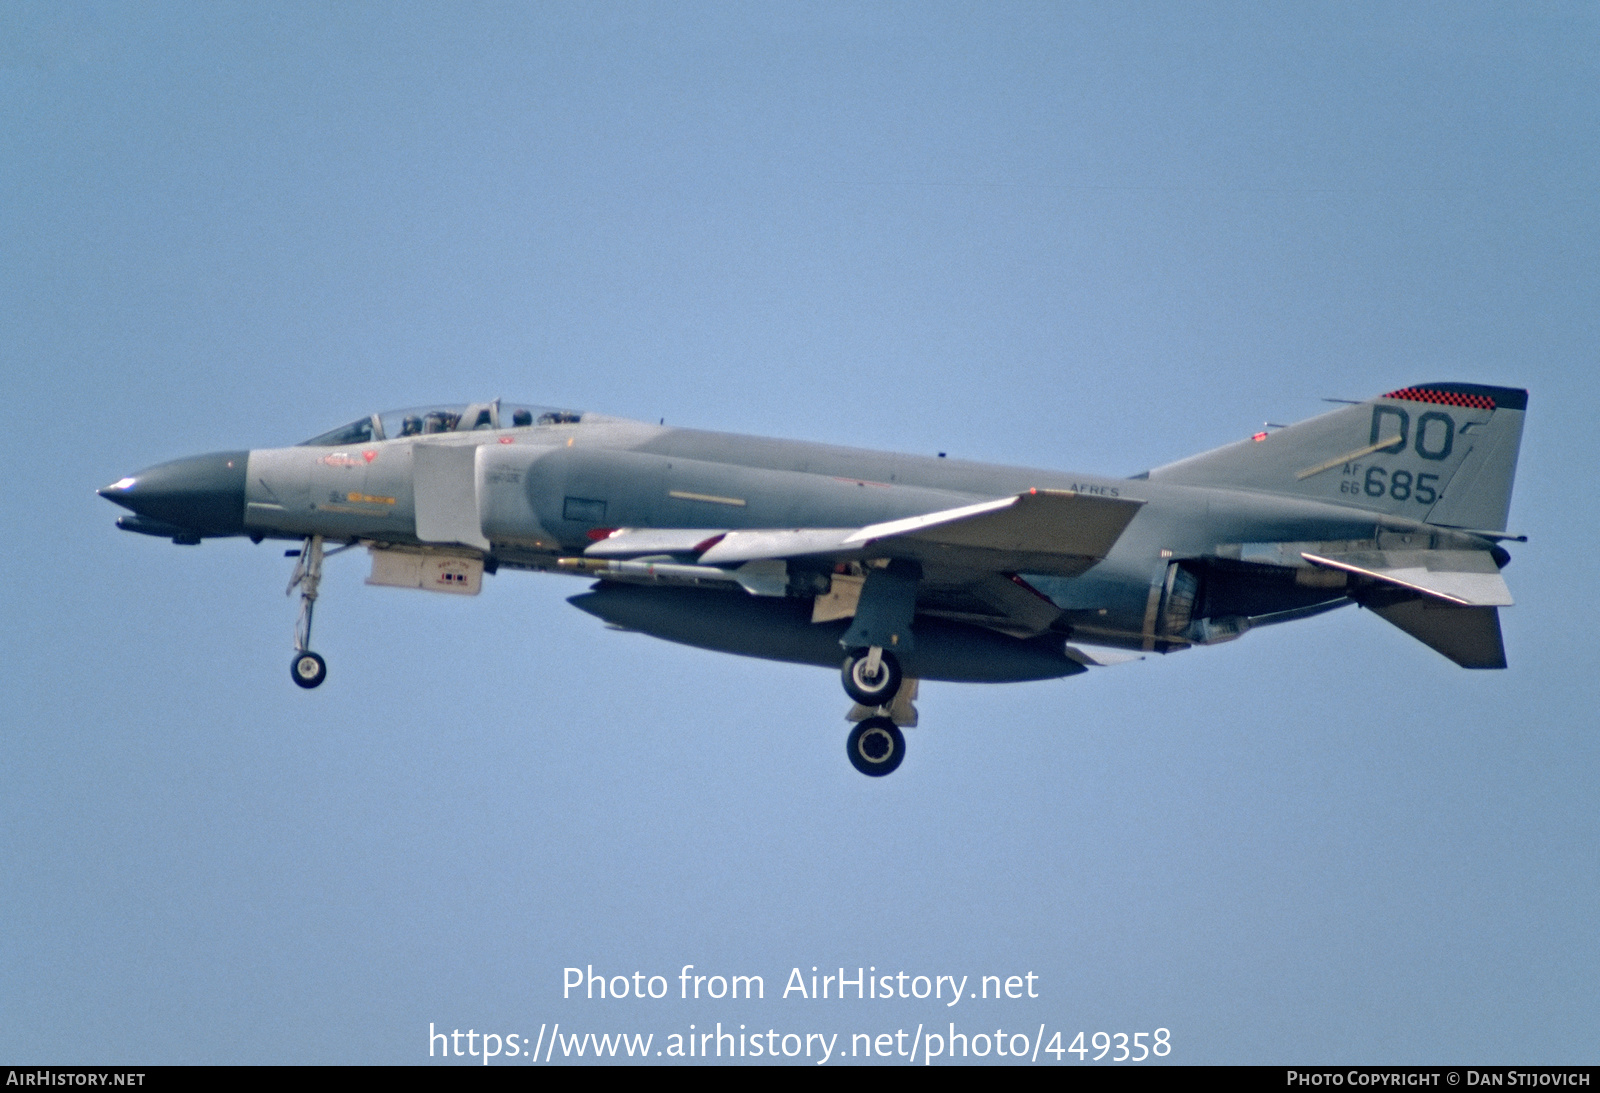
(308, 669)
(876, 746)
(871, 676)
(871, 673)
(883, 697)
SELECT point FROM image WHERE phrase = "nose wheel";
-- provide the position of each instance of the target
(308, 669)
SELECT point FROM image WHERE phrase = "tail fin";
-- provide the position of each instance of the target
(1443, 453)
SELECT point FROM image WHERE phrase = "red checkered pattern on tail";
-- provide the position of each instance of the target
(1446, 398)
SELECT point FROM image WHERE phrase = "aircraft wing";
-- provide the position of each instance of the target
(1041, 531)
(970, 555)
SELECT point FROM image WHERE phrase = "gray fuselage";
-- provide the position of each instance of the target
(543, 492)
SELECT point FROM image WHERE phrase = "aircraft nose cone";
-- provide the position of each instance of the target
(118, 489)
(203, 494)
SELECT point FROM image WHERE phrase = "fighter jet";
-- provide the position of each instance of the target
(891, 568)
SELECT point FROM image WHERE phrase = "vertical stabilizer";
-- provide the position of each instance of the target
(1444, 453)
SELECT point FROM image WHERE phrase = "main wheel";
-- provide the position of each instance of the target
(867, 688)
(875, 746)
(308, 669)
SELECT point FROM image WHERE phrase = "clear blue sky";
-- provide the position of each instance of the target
(1095, 237)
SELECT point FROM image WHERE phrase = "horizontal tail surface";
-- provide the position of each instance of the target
(1470, 636)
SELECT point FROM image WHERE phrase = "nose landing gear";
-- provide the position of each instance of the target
(307, 669)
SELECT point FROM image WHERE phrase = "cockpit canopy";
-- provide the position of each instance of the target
(426, 420)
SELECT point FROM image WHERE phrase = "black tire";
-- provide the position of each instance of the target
(868, 691)
(308, 670)
(876, 746)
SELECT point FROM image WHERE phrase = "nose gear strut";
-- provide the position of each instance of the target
(308, 669)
